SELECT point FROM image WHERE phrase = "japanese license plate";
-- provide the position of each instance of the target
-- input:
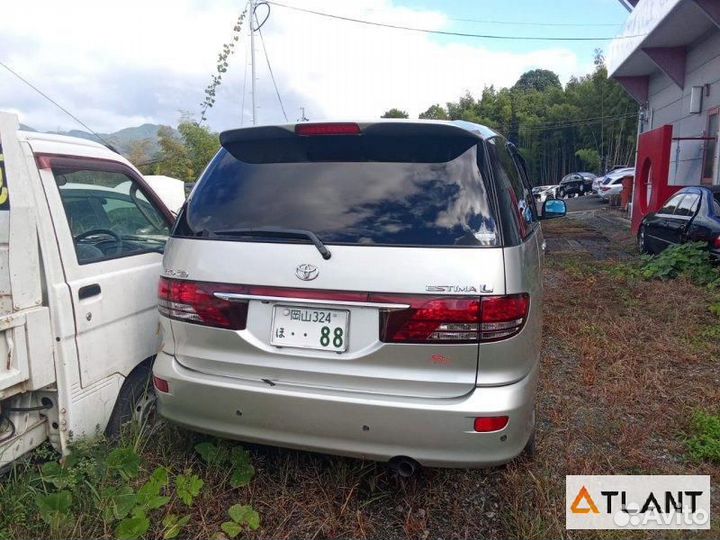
(310, 328)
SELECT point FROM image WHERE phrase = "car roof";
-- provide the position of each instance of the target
(385, 126)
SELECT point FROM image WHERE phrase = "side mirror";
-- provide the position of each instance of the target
(553, 208)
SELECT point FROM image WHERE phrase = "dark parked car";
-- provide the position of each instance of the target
(690, 215)
(576, 184)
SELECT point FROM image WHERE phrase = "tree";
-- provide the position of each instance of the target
(395, 113)
(589, 158)
(434, 112)
(139, 155)
(174, 158)
(201, 143)
(538, 79)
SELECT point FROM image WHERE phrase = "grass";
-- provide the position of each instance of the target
(704, 443)
(628, 385)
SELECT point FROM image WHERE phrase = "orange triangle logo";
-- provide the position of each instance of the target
(583, 495)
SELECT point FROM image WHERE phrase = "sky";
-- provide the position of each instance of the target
(122, 64)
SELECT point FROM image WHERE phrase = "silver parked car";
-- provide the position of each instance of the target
(364, 289)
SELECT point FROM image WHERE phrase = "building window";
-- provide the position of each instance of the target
(710, 166)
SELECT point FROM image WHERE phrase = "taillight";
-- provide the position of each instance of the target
(716, 243)
(327, 128)
(452, 319)
(195, 302)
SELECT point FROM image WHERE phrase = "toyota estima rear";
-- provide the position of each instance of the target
(368, 289)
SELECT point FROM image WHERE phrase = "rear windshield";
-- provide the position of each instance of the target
(359, 190)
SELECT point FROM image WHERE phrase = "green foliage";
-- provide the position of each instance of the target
(132, 527)
(434, 112)
(590, 159)
(704, 443)
(691, 260)
(173, 525)
(188, 487)
(242, 517)
(550, 124)
(125, 462)
(539, 80)
(54, 509)
(187, 155)
(227, 456)
(395, 113)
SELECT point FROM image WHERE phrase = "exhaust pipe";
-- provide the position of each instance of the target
(405, 467)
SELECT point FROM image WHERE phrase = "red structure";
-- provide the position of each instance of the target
(651, 173)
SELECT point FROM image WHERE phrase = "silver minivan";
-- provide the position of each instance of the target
(364, 289)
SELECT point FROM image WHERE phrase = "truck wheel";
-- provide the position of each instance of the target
(135, 402)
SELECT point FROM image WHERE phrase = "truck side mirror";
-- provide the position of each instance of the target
(553, 208)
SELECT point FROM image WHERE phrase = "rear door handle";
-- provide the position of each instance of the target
(89, 291)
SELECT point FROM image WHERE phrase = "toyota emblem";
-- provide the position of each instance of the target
(306, 272)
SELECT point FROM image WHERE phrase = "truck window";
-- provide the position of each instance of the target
(108, 214)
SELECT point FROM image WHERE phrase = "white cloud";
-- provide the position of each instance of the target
(123, 63)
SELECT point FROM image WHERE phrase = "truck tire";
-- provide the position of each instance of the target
(135, 402)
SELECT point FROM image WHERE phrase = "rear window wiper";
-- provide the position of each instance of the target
(278, 232)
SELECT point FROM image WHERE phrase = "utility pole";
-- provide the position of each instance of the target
(252, 59)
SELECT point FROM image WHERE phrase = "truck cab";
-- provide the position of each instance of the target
(81, 242)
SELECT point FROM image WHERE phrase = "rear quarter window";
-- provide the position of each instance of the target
(359, 190)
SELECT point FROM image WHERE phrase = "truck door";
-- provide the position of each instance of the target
(111, 230)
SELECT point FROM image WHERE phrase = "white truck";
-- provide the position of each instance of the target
(81, 241)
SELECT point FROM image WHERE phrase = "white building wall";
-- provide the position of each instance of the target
(668, 104)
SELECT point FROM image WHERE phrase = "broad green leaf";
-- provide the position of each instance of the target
(242, 475)
(188, 487)
(231, 528)
(131, 528)
(122, 501)
(245, 515)
(173, 525)
(54, 502)
(211, 453)
(57, 475)
(125, 462)
(160, 476)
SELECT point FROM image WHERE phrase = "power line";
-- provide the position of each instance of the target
(519, 23)
(272, 75)
(445, 32)
(51, 100)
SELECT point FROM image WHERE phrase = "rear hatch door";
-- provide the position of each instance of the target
(405, 213)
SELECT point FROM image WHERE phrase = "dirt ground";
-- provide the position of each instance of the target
(624, 365)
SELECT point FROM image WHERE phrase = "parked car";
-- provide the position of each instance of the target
(543, 193)
(690, 215)
(170, 190)
(364, 289)
(81, 240)
(611, 178)
(575, 184)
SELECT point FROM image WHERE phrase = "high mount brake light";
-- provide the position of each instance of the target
(327, 128)
(452, 319)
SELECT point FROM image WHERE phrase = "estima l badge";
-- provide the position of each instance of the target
(459, 288)
(306, 272)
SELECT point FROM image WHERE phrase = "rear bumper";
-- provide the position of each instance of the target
(435, 432)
